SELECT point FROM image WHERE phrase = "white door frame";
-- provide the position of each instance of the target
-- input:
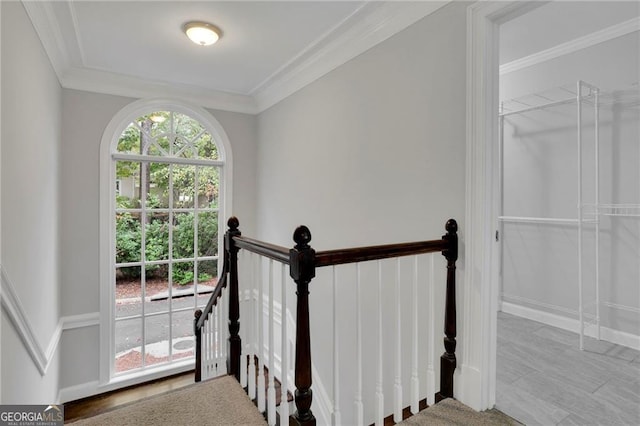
(477, 380)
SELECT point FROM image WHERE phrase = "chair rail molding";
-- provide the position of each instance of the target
(15, 311)
(41, 356)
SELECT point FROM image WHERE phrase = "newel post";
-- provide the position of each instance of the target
(302, 270)
(448, 359)
(231, 253)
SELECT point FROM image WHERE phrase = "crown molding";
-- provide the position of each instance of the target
(610, 33)
(135, 87)
(368, 26)
(46, 25)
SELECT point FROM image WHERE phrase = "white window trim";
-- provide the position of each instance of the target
(110, 139)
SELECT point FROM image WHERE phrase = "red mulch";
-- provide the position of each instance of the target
(127, 288)
(133, 359)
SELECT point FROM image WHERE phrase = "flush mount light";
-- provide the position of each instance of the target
(202, 33)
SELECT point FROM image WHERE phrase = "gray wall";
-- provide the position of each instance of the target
(541, 176)
(373, 152)
(31, 141)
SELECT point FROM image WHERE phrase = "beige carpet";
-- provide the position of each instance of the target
(215, 402)
(453, 413)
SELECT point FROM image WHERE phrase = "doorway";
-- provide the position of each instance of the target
(568, 201)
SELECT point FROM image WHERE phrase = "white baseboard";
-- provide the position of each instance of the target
(76, 392)
(570, 324)
(71, 322)
(468, 385)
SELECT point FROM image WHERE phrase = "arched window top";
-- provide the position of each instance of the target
(168, 134)
(168, 129)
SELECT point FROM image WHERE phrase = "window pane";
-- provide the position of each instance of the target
(183, 273)
(183, 186)
(146, 139)
(187, 127)
(207, 272)
(128, 182)
(182, 329)
(208, 187)
(128, 237)
(156, 339)
(128, 341)
(207, 234)
(129, 141)
(157, 190)
(153, 148)
(157, 289)
(182, 147)
(183, 235)
(128, 291)
(206, 147)
(163, 142)
(161, 123)
(156, 238)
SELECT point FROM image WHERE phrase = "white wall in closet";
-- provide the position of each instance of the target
(600, 45)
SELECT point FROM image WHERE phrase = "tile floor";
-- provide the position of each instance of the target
(544, 378)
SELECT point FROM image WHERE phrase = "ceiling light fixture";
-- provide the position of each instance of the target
(202, 33)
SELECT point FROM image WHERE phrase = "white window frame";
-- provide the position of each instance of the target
(108, 146)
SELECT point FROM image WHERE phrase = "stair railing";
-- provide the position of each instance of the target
(303, 261)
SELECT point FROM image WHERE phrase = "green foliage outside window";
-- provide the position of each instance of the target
(180, 136)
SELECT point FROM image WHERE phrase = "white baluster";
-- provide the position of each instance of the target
(211, 342)
(223, 331)
(244, 315)
(271, 394)
(335, 416)
(211, 333)
(261, 381)
(358, 403)
(415, 383)
(379, 381)
(217, 332)
(205, 348)
(284, 364)
(431, 332)
(397, 412)
(251, 379)
(213, 339)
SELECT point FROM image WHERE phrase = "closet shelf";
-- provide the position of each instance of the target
(626, 210)
(557, 96)
(522, 219)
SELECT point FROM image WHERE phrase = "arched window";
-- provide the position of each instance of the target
(165, 186)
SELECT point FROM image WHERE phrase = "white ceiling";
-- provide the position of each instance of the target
(268, 50)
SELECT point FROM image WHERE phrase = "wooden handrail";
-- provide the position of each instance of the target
(213, 300)
(272, 251)
(363, 254)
